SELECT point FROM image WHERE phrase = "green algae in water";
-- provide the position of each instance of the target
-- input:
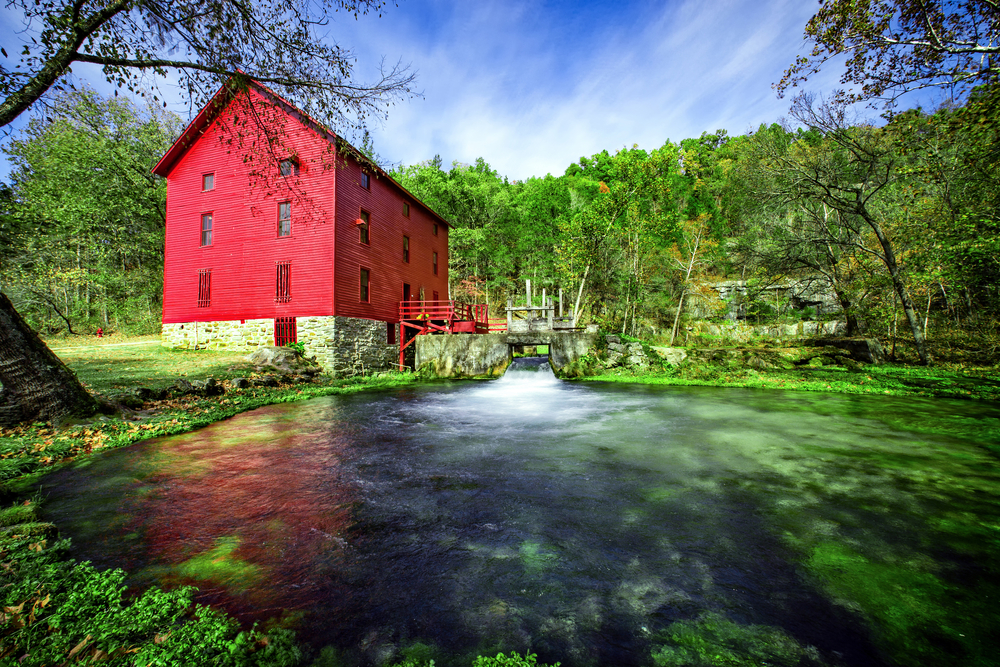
(740, 511)
(219, 565)
(713, 640)
(534, 560)
(916, 614)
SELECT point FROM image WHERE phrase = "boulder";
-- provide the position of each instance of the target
(182, 386)
(284, 360)
(212, 387)
(266, 381)
(637, 360)
(143, 394)
(612, 340)
(131, 401)
(865, 350)
(759, 363)
(239, 383)
(672, 355)
(616, 347)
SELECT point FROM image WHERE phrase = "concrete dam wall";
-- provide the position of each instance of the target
(488, 355)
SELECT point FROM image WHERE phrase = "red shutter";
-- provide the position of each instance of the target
(204, 288)
(285, 331)
(283, 282)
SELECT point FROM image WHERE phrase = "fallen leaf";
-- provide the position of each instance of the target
(79, 647)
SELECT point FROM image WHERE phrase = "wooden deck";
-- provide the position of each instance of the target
(420, 318)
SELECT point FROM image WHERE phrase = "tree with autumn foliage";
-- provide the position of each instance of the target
(896, 46)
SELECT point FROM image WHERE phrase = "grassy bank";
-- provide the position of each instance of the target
(111, 369)
(888, 380)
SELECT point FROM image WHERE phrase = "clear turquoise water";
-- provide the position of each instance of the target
(590, 524)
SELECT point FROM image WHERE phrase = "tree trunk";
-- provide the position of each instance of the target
(904, 296)
(853, 328)
(37, 385)
(579, 295)
(677, 316)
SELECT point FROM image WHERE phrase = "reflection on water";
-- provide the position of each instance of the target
(575, 521)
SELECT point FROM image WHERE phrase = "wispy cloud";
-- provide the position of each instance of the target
(533, 86)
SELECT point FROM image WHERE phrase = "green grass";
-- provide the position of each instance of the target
(122, 364)
(60, 611)
(885, 380)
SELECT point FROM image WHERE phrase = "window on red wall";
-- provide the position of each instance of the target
(435, 229)
(289, 167)
(435, 260)
(283, 282)
(285, 331)
(285, 218)
(364, 228)
(390, 333)
(207, 182)
(406, 249)
(406, 210)
(206, 229)
(365, 278)
(204, 288)
(436, 298)
(366, 181)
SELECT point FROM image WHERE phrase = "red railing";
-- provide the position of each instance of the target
(428, 310)
(418, 318)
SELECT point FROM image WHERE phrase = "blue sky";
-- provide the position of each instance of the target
(533, 86)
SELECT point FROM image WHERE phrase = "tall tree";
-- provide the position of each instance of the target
(204, 42)
(895, 46)
(854, 171)
(91, 212)
(798, 237)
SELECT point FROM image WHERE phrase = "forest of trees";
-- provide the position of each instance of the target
(898, 217)
(899, 220)
(82, 221)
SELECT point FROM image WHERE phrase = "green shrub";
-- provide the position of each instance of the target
(513, 660)
(300, 348)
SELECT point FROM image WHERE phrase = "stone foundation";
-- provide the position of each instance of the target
(343, 346)
(225, 335)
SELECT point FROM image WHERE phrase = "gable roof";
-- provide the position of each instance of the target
(241, 83)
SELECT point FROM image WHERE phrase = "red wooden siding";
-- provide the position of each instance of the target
(263, 266)
(246, 246)
(383, 201)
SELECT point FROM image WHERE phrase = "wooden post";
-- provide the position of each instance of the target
(510, 313)
(527, 293)
(560, 303)
(549, 313)
(544, 303)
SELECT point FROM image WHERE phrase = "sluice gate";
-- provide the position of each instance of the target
(488, 355)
